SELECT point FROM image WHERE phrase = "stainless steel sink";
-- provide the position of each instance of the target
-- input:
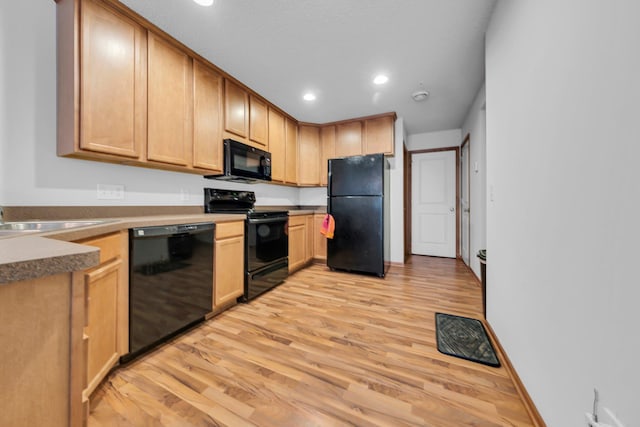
(41, 226)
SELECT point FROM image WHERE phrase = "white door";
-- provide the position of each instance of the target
(433, 204)
(464, 204)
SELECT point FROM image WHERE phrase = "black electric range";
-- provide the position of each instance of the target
(266, 240)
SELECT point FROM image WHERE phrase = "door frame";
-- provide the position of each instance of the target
(406, 155)
(466, 142)
(407, 198)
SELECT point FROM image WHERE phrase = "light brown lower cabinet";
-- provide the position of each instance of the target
(228, 263)
(310, 238)
(304, 236)
(106, 304)
(319, 240)
(297, 242)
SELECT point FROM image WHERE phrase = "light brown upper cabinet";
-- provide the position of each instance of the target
(246, 116)
(349, 139)
(308, 155)
(327, 150)
(379, 135)
(365, 135)
(102, 112)
(130, 93)
(277, 146)
(170, 104)
(236, 111)
(291, 144)
(207, 118)
(258, 123)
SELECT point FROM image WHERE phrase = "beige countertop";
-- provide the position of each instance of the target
(37, 254)
(31, 255)
(306, 212)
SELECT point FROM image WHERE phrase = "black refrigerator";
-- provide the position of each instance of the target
(356, 199)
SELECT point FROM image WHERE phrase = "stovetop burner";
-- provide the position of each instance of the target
(240, 202)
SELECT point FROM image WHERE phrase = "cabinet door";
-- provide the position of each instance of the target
(277, 145)
(207, 118)
(308, 155)
(106, 308)
(291, 138)
(229, 270)
(297, 246)
(258, 123)
(310, 237)
(170, 136)
(349, 139)
(319, 241)
(101, 287)
(113, 82)
(379, 135)
(327, 150)
(236, 110)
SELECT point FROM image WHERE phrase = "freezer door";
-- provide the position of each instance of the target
(358, 243)
(356, 176)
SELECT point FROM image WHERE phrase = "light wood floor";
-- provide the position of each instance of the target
(322, 349)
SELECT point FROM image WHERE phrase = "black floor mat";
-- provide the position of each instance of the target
(465, 338)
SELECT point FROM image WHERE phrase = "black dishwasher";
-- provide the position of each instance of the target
(170, 282)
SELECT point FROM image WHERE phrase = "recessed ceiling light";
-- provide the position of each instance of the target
(309, 96)
(380, 79)
(204, 2)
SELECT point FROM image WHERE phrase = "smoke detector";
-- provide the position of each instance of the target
(420, 95)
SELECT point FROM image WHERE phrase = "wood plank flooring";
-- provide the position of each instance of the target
(322, 349)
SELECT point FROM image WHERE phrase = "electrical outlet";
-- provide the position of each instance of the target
(110, 192)
(184, 195)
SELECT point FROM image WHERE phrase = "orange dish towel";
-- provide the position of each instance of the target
(328, 226)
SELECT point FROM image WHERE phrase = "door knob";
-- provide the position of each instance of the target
(451, 209)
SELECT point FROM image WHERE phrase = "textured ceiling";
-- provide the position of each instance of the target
(282, 48)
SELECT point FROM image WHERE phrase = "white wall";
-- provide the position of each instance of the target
(475, 126)
(313, 196)
(562, 92)
(430, 140)
(31, 174)
(4, 40)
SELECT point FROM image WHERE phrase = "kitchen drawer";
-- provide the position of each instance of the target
(296, 220)
(109, 245)
(229, 229)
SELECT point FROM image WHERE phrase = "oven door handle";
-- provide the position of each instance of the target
(267, 220)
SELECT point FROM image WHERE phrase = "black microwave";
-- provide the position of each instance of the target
(243, 163)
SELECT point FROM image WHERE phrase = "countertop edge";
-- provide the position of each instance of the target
(51, 257)
(306, 212)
